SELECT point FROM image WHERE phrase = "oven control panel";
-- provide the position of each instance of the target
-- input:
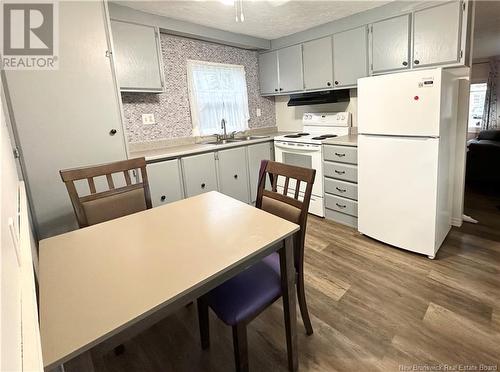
(337, 119)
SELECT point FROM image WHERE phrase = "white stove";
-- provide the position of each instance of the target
(304, 149)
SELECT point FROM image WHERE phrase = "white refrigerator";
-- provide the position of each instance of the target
(406, 127)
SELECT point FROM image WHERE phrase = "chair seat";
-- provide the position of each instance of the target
(247, 293)
(273, 261)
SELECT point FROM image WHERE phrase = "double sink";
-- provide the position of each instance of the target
(232, 140)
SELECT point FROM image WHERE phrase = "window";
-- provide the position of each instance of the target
(476, 106)
(217, 91)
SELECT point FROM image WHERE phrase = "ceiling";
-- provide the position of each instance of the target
(267, 19)
(487, 29)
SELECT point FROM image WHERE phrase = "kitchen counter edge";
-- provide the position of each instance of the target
(174, 152)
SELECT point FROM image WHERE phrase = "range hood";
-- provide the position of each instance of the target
(317, 98)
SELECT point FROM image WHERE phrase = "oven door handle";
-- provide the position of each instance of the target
(296, 148)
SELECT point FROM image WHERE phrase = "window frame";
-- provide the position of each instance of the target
(193, 98)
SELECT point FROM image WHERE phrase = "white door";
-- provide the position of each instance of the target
(397, 190)
(404, 104)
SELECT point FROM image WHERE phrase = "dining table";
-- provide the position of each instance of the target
(98, 282)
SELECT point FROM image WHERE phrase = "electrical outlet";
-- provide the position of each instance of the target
(258, 112)
(148, 119)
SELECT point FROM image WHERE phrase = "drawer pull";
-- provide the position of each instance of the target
(340, 205)
(339, 172)
(163, 198)
(235, 176)
(203, 185)
(339, 155)
(340, 190)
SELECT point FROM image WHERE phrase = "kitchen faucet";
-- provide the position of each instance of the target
(223, 126)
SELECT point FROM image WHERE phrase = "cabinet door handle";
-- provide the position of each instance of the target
(203, 185)
(339, 172)
(340, 190)
(281, 89)
(276, 89)
(112, 132)
(416, 61)
(163, 198)
(329, 84)
(235, 176)
(336, 82)
(340, 205)
(405, 63)
(340, 155)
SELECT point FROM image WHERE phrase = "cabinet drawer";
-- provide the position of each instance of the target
(342, 218)
(341, 188)
(343, 154)
(340, 204)
(345, 172)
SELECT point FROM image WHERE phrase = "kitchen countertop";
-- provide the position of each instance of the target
(349, 140)
(173, 152)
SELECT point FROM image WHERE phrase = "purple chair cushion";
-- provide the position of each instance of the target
(247, 293)
(273, 261)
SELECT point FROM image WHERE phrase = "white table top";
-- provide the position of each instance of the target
(97, 281)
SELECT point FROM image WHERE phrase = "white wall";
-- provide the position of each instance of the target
(290, 118)
(10, 271)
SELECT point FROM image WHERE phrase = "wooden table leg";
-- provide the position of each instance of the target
(289, 308)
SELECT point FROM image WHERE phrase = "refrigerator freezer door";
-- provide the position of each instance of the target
(397, 190)
(403, 104)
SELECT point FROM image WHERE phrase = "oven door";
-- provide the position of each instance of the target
(306, 156)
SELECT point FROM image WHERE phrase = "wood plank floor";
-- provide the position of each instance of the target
(373, 308)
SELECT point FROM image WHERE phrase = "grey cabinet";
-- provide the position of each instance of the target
(64, 118)
(257, 153)
(164, 182)
(436, 34)
(318, 63)
(290, 69)
(199, 174)
(350, 60)
(233, 173)
(390, 44)
(137, 57)
(268, 73)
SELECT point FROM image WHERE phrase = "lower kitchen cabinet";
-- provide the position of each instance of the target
(233, 173)
(257, 153)
(199, 174)
(164, 182)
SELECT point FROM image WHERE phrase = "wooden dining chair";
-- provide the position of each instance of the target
(95, 207)
(242, 298)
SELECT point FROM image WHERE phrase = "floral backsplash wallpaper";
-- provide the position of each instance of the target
(171, 109)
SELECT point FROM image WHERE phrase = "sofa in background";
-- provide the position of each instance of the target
(483, 159)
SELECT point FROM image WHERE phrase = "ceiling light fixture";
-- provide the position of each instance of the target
(238, 10)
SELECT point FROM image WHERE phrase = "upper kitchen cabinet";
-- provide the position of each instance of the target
(318, 63)
(268, 73)
(350, 57)
(390, 44)
(290, 69)
(436, 34)
(137, 57)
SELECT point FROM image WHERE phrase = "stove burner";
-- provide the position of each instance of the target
(324, 136)
(296, 135)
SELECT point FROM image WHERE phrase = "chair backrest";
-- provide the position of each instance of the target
(285, 203)
(96, 207)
